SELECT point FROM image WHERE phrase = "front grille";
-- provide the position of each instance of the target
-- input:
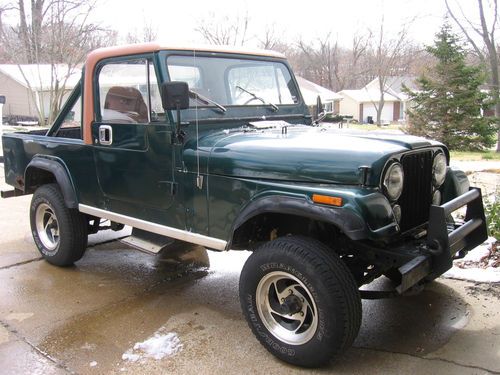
(416, 199)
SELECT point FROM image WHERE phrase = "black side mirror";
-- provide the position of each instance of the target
(320, 112)
(175, 95)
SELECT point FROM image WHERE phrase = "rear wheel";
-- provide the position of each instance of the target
(300, 300)
(60, 233)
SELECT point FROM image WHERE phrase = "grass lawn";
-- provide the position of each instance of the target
(469, 155)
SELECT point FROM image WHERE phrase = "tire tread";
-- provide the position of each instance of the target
(75, 243)
(335, 275)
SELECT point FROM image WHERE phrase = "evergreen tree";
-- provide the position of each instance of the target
(449, 102)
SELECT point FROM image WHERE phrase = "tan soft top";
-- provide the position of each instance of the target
(133, 49)
(154, 46)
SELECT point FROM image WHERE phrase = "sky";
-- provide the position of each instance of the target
(292, 20)
(176, 21)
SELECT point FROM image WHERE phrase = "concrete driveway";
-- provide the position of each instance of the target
(82, 319)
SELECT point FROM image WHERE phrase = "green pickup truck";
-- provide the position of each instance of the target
(216, 147)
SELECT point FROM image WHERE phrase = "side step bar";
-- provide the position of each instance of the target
(147, 241)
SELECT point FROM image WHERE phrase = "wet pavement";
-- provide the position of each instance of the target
(83, 318)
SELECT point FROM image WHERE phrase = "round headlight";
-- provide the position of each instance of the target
(393, 181)
(439, 170)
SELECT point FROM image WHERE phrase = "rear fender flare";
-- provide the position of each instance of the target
(57, 168)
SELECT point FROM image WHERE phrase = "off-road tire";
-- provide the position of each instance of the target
(327, 280)
(72, 227)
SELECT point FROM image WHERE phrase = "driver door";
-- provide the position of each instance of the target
(132, 143)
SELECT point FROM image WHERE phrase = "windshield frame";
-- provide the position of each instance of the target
(261, 109)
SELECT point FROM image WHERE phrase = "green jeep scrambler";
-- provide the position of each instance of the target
(216, 147)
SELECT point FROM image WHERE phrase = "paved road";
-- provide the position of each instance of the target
(58, 321)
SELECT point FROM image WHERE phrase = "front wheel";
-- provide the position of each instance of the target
(300, 300)
(60, 233)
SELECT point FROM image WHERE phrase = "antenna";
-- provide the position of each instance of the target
(199, 177)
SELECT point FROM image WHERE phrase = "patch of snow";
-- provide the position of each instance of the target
(481, 275)
(222, 262)
(19, 316)
(476, 265)
(480, 252)
(129, 356)
(159, 346)
(93, 364)
(88, 346)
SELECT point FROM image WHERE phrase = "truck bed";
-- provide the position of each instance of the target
(72, 154)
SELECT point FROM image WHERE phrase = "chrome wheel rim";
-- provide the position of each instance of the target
(275, 293)
(47, 226)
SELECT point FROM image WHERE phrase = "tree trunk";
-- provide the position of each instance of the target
(23, 30)
(495, 90)
(497, 112)
(36, 28)
(489, 41)
(381, 101)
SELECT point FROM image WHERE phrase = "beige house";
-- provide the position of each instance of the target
(27, 87)
(362, 104)
(310, 92)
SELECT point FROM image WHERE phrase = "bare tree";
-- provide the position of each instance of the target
(488, 53)
(148, 33)
(4, 34)
(321, 59)
(389, 56)
(272, 39)
(352, 66)
(52, 32)
(226, 30)
(327, 63)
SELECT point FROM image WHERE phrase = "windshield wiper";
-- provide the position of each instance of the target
(206, 100)
(275, 107)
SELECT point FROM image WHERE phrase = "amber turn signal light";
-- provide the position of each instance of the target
(325, 199)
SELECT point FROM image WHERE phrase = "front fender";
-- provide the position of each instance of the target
(455, 185)
(346, 220)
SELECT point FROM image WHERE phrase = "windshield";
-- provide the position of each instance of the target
(230, 82)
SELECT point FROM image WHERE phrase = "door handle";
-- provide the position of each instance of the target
(105, 135)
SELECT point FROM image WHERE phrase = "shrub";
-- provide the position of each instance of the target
(492, 212)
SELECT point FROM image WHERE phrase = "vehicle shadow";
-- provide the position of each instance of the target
(414, 325)
(161, 291)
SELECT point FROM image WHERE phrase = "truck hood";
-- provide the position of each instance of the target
(304, 153)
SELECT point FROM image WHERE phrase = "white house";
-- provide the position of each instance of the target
(362, 104)
(27, 87)
(310, 92)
